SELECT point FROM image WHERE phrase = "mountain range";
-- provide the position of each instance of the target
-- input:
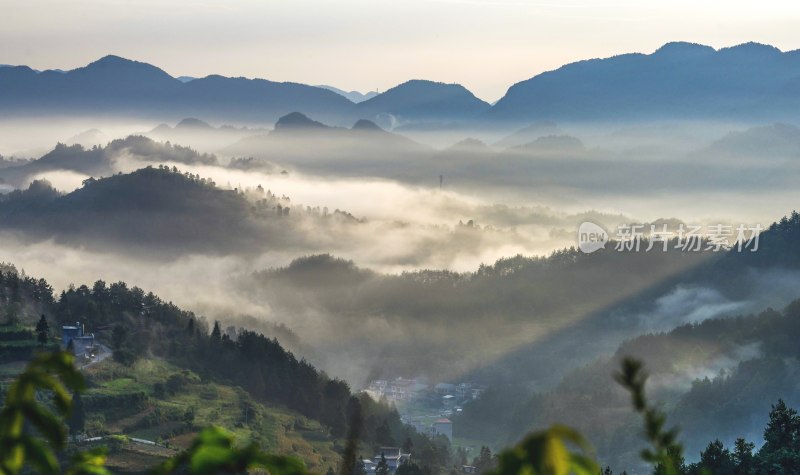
(115, 86)
(680, 80)
(353, 96)
(302, 141)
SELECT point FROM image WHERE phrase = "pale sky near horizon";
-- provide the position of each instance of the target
(486, 45)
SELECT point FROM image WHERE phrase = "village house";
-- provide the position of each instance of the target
(399, 389)
(394, 458)
(73, 337)
(445, 388)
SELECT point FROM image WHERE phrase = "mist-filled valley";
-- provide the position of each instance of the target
(425, 253)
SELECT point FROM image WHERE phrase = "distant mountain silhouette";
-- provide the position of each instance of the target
(424, 100)
(461, 153)
(367, 132)
(88, 138)
(298, 121)
(100, 161)
(679, 80)
(470, 145)
(300, 139)
(200, 134)
(773, 141)
(118, 86)
(193, 124)
(552, 144)
(529, 134)
(368, 125)
(354, 96)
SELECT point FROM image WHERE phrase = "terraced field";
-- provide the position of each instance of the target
(159, 402)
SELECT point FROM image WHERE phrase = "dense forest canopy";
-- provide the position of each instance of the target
(138, 324)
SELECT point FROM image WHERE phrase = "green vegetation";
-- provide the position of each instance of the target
(666, 451)
(18, 342)
(779, 455)
(175, 204)
(169, 378)
(716, 378)
(739, 360)
(55, 374)
(213, 451)
(550, 452)
(42, 331)
(176, 404)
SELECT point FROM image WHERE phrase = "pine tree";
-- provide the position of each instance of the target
(716, 458)
(779, 453)
(359, 468)
(743, 457)
(42, 330)
(383, 467)
(783, 428)
(216, 333)
(484, 461)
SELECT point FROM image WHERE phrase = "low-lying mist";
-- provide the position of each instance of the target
(404, 207)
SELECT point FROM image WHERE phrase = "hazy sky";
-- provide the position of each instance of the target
(487, 45)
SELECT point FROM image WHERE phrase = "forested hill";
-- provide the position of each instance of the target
(178, 212)
(137, 324)
(526, 310)
(717, 379)
(506, 305)
(717, 376)
(103, 161)
(662, 300)
(147, 206)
